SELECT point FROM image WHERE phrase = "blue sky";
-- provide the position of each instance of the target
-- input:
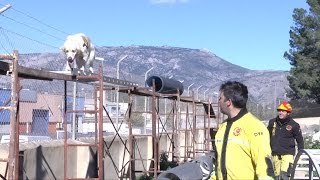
(250, 33)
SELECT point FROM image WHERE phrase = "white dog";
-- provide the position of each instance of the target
(80, 52)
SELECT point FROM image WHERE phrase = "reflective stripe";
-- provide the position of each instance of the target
(235, 140)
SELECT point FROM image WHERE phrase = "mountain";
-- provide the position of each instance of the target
(197, 66)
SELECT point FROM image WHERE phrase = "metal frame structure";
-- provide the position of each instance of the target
(13, 160)
(190, 150)
(307, 160)
(106, 83)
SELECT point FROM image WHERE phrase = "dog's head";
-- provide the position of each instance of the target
(75, 47)
(71, 51)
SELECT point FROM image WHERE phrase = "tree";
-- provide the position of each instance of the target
(304, 53)
(303, 108)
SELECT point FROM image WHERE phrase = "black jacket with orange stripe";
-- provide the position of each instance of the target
(284, 133)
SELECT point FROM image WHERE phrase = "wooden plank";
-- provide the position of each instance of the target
(6, 57)
(31, 73)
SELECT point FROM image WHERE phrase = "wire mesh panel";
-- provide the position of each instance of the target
(42, 113)
(5, 95)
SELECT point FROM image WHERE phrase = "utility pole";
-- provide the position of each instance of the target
(145, 103)
(204, 94)
(189, 88)
(198, 92)
(275, 94)
(118, 76)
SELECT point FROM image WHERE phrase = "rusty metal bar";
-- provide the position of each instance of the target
(154, 133)
(65, 126)
(187, 133)
(95, 96)
(16, 168)
(177, 135)
(118, 81)
(194, 121)
(13, 119)
(70, 144)
(205, 119)
(130, 138)
(174, 132)
(82, 111)
(207, 128)
(6, 57)
(101, 140)
(178, 117)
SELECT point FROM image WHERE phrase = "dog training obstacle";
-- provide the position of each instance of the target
(104, 82)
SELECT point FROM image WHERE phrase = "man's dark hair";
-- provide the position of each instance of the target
(236, 92)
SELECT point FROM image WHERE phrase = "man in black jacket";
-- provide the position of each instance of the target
(284, 134)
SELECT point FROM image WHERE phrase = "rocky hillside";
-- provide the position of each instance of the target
(193, 66)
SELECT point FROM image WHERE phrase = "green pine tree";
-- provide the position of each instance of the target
(304, 53)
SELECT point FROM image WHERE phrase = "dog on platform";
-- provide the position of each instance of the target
(80, 53)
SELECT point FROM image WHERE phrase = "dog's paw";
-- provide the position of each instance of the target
(82, 72)
(91, 70)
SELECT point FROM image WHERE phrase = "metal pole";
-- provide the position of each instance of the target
(204, 94)
(101, 151)
(6, 7)
(145, 104)
(198, 92)
(74, 109)
(118, 76)
(165, 110)
(14, 136)
(189, 88)
(275, 98)
(104, 91)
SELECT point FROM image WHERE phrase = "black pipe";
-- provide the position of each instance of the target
(165, 85)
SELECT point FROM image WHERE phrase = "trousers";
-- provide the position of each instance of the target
(281, 164)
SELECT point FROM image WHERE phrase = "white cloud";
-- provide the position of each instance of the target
(168, 1)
